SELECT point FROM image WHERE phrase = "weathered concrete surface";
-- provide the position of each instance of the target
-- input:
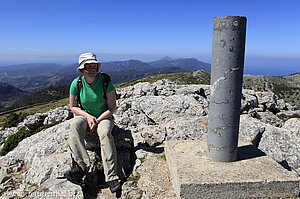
(253, 175)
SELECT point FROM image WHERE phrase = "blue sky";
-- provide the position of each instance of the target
(59, 30)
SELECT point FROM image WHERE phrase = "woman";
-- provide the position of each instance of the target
(94, 115)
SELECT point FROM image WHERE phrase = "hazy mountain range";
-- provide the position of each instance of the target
(28, 84)
(31, 77)
(28, 78)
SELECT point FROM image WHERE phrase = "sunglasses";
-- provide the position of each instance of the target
(90, 67)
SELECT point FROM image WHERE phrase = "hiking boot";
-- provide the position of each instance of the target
(114, 185)
(75, 174)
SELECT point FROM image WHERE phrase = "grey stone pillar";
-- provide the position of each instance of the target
(227, 67)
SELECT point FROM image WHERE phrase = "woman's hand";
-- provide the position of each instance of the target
(92, 123)
(91, 120)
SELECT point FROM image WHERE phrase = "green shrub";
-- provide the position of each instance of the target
(13, 119)
(12, 141)
(135, 178)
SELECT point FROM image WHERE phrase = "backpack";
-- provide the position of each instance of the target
(79, 87)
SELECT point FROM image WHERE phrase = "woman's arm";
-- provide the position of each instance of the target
(111, 102)
(91, 120)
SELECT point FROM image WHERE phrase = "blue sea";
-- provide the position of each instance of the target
(271, 66)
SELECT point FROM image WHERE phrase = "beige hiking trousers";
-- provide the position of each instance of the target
(76, 143)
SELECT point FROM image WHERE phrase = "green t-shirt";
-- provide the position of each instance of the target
(92, 95)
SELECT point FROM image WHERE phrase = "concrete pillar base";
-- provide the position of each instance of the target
(253, 175)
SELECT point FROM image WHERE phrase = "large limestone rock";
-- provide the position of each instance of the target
(151, 113)
(37, 161)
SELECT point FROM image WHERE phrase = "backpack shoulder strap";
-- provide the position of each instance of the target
(79, 87)
(106, 78)
(105, 82)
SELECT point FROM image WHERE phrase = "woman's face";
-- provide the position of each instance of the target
(90, 70)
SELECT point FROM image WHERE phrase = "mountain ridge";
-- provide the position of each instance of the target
(9, 93)
(117, 65)
(35, 77)
(128, 70)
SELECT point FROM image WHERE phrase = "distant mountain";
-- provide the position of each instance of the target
(36, 76)
(125, 65)
(7, 90)
(35, 83)
(48, 69)
(49, 94)
(42, 77)
(9, 94)
(28, 84)
(33, 77)
(189, 64)
(33, 69)
(167, 58)
(20, 80)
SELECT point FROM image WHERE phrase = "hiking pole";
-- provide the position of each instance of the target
(228, 47)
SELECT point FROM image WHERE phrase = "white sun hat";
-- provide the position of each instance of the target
(87, 58)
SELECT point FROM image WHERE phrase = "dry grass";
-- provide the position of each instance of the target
(39, 108)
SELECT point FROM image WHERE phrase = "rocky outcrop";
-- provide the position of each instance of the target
(151, 114)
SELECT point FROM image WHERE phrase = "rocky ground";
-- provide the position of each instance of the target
(151, 113)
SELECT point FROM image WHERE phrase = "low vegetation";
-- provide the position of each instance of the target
(12, 141)
(13, 119)
(34, 109)
(196, 77)
(135, 178)
(286, 87)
